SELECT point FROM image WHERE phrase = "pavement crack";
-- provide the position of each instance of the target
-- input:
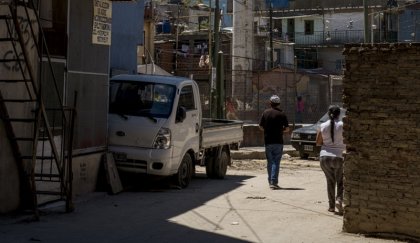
(242, 218)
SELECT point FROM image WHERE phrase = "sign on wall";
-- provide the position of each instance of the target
(102, 19)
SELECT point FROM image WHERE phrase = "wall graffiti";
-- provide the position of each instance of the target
(13, 66)
(11, 53)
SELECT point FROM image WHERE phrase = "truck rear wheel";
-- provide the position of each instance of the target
(220, 165)
(183, 177)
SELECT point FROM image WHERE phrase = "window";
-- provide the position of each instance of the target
(200, 47)
(186, 99)
(141, 99)
(339, 65)
(309, 27)
(53, 16)
(277, 24)
(307, 58)
(203, 22)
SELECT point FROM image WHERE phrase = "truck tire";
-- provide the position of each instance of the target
(209, 160)
(183, 177)
(220, 165)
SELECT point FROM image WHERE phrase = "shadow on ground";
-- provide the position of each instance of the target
(144, 212)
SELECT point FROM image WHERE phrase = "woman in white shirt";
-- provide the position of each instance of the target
(330, 137)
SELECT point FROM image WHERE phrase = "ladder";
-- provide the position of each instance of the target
(40, 133)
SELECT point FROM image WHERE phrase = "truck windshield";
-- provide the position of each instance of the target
(141, 99)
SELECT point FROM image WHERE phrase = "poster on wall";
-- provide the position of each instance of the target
(102, 19)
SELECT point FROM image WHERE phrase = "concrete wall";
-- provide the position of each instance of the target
(9, 173)
(254, 136)
(408, 26)
(242, 47)
(87, 73)
(382, 132)
(85, 173)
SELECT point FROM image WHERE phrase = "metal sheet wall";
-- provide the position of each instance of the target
(88, 74)
(127, 33)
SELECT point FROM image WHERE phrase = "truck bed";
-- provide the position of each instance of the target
(220, 132)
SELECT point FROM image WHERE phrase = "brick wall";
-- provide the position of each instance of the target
(164, 56)
(382, 133)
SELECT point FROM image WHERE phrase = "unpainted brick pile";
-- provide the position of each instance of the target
(382, 133)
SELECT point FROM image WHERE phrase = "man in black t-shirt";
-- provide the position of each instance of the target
(274, 123)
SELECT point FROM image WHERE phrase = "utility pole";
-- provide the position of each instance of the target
(366, 21)
(220, 84)
(216, 28)
(176, 40)
(271, 36)
(215, 93)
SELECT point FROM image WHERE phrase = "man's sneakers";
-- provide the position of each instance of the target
(274, 187)
(339, 206)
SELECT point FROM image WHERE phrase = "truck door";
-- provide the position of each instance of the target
(187, 131)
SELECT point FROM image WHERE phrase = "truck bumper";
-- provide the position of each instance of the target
(145, 160)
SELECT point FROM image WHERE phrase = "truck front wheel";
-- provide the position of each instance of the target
(183, 177)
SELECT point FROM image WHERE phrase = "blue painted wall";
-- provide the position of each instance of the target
(127, 34)
(409, 26)
(278, 3)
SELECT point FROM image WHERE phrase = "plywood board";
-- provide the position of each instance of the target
(112, 174)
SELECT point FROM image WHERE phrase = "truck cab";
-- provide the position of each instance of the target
(155, 126)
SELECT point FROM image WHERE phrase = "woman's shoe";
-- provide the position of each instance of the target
(339, 206)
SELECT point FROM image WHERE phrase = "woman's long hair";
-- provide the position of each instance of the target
(333, 113)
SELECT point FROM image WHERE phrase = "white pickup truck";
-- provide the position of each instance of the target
(156, 127)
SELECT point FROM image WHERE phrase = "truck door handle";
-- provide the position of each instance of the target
(196, 128)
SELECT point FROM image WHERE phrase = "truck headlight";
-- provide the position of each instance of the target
(296, 135)
(163, 139)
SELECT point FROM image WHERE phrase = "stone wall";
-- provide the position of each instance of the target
(382, 133)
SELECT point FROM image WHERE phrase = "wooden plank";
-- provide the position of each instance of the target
(112, 174)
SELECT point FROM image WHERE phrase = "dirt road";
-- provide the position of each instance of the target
(240, 208)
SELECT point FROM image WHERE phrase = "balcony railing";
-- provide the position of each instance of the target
(337, 37)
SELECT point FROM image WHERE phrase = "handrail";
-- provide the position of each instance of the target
(332, 37)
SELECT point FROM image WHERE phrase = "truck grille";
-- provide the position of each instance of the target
(132, 163)
(309, 137)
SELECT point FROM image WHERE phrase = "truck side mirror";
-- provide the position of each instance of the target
(181, 114)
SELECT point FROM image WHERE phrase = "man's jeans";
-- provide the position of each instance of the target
(273, 153)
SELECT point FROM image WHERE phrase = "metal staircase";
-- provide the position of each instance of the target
(40, 132)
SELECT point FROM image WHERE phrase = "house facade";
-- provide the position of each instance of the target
(69, 72)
